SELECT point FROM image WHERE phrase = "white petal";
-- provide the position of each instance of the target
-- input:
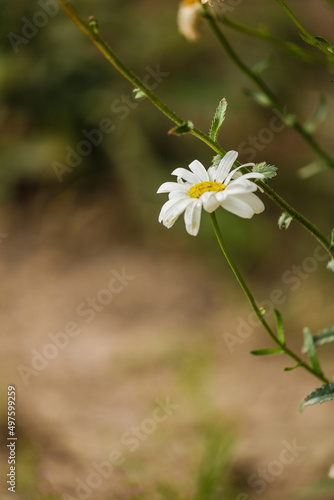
(212, 172)
(192, 217)
(186, 175)
(248, 165)
(210, 201)
(238, 207)
(225, 165)
(238, 186)
(179, 194)
(253, 201)
(253, 175)
(166, 187)
(199, 170)
(232, 174)
(172, 209)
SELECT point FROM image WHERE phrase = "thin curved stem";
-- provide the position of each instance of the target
(272, 98)
(137, 82)
(292, 48)
(255, 308)
(307, 37)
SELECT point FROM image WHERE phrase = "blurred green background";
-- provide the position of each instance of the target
(60, 239)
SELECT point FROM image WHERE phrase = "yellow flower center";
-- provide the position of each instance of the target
(197, 190)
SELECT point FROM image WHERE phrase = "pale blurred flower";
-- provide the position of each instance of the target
(199, 189)
(331, 472)
(189, 19)
(210, 2)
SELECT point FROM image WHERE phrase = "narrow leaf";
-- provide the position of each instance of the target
(269, 171)
(263, 65)
(259, 97)
(185, 128)
(280, 327)
(311, 169)
(311, 351)
(284, 221)
(325, 43)
(270, 350)
(218, 119)
(320, 395)
(325, 336)
(332, 238)
(320, 114)
(290, 368)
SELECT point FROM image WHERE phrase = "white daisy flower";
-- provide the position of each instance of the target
(198, 189)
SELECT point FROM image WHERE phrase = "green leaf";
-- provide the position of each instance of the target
(92, 22)
(259, 97)
(263, 65)
(320, 114)
(185, 128)
(138, 93)
(285, 220)
(216, 160)
(316, 41)
(325, 43)
(280, 327)
(218, 119)
(330, 265)
(325, 336)
(311, 351)
(320, 395)
(290, 368)
(332, 238)
(312, 169)
(289, 119)
(269, 171)
(265, 352)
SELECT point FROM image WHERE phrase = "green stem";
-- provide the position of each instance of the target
(136, 82)
(252, 302)
(312, 40)
(274, 101)
(130, 76)
(294, 49)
